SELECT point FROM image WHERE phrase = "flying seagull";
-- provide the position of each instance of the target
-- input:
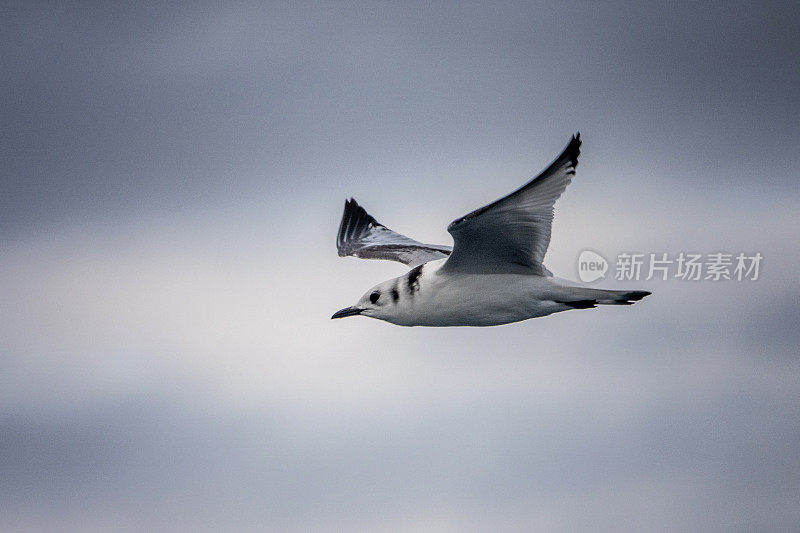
(492, 275)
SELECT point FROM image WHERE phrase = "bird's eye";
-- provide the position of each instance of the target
(374, 297)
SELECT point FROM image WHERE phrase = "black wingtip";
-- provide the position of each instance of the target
(355, 221)
(576, 142)
(573, 149)
(346, 225)
(353, 211)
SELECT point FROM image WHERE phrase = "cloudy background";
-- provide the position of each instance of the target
(170, 187)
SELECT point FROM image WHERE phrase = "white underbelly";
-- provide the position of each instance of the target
(480, 300)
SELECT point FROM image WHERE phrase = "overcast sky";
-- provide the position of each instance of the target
(170, 188)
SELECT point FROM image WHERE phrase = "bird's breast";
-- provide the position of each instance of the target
(470, 300)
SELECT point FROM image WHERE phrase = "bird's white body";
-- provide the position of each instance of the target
(457, 299)
(439, 298)
(463, 299)
(492, 275)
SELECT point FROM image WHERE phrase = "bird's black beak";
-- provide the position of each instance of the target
(347, 311)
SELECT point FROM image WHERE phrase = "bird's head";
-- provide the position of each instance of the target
(378, 302)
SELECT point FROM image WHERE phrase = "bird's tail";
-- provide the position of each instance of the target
(584, 298)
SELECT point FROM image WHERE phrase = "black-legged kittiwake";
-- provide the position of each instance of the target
(492, 275)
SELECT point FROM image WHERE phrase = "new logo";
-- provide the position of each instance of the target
(591, 266)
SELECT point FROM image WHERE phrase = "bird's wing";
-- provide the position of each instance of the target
(360, 235)
(512, 233)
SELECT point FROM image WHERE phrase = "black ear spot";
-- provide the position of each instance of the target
(374, 297)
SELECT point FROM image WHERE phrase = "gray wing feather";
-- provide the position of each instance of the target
(360, 235)
(512, 234)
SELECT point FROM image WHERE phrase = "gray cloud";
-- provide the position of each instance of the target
(171, 185)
